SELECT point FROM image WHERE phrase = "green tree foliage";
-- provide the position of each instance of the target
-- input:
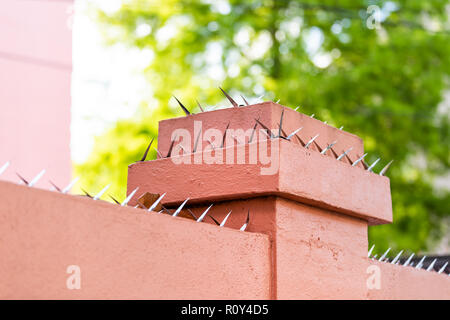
(384, 85)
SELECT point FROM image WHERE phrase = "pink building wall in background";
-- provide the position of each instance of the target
(35, 77)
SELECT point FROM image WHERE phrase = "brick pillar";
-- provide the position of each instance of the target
(315, 209)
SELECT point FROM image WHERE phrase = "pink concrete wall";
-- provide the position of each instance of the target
(35, 72)
(123, 253)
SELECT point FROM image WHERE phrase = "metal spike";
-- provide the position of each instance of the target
(278, 101)
(153, 206)
(225, 219)
(370, 251)
(397, 257)
(55, 186)
(98, 195)
(342, 127)
(296, 109)
(293, 133)
(159, 153)
(260, 97)
(430, 267)
(344, 154)
(199, 105)
(409, 260)
(213, 219)
(70, 185)
(171, 148)
(37, 178)
(114, 199)
(329, 147)
(246, 102)
(22, 178)
(179, 208)
(311, 141)
(312, 116)
(146, 151)
(86, 193)
(246, 222)
(281, 124)
(317, 146)
(4, 167)
(269, 132)
(225, 135)
(420, 263)
(383, 171)
(127, 199)
(443, 267)
(204, 214)
(253, 132)
(325, 122)
(186, 111)
(229, 98)
(384, 255)
(373, 165)
(359, 159)
(196, 142)
(375, 256)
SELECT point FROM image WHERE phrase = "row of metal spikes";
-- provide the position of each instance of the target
(407, 263)
(97, 196)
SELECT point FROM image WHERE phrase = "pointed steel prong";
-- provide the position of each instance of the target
(225, 219)
(55, 186)
(344, 154)
(4, 167)
(245, 101)
(37, 178)
(280, 126)
(114, 199)
(359, 159)
(229, 98)
(159, 153)
(225, 135)
(179, 208)
(278, 101)
(269, 132)
(375, 256)
(311, 141)
(98, 195)
(22, 178)
(192, 214)
(153, 206)
(253, 132)
(260, 97)
(196, 142)
(86, 193)
(342, 127)
(296, 108)
(127, 199)
(370, 251)
(246, 222)
(146, 151)
(420, 263)
(384, 255)
(373, 165)
(215, 221)
(329, 147)
(325, 122)
(312, 116)
(204, 214)
(171, 148)
(186, 111)
(443, 267)
(200, 106)
(70, 185)
(182, 148)
(386, 167)
(397, 257)
(430, 267)
(293, 133)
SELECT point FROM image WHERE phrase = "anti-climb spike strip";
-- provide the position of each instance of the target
(281, 124)
(146, 151)
(328, 147)
(397, 257)
(70, 185)
(225, 135)
(420, 263)
(443, 268)
(296, 109)
(383, 171)
(311, 141)
(408, 260)
(344, 154)
(4, 167)
(370, 251)
(179, 208)
(225, 219)
(153, 206)
(186, 111)
(127, 199)
(359, 159)
(204, 214)
(200, 106)
(293, 133)
(37, 178)
(384, 255)
(98, 195)
(373, 165)
(430, 267)
(229, 98)
(246, 222)
(171, 148)
(245, 101)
